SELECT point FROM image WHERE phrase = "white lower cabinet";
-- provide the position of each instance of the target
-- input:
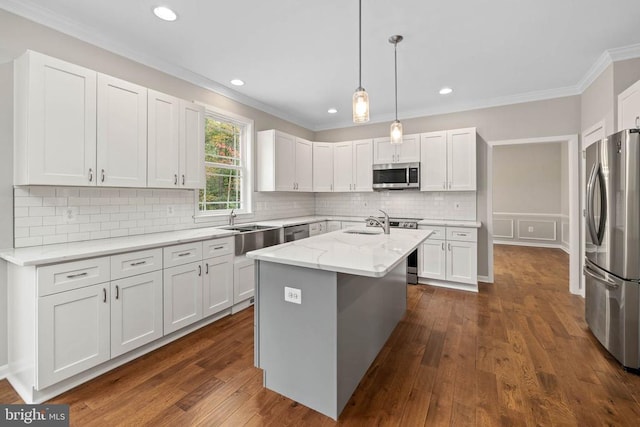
(450, 255)
(136, 311)
(217, 291)
(73, 333)
(182, 296)
(244, 279)
(317, 228)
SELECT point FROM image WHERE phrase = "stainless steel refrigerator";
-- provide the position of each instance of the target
(612, 264)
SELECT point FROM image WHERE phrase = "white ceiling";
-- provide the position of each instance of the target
(298, 58)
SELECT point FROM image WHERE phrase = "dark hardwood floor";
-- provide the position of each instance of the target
(517, 353)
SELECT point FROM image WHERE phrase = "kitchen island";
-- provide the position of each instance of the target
(325, 306)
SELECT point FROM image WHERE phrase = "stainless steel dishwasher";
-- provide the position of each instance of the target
(296, 232)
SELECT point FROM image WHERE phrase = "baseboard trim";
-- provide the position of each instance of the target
(4, 371)
(449, 285)
(484, 279)
(531, 244)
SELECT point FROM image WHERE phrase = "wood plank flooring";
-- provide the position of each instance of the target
(518, 353)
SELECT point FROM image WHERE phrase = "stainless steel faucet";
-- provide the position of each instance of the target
(232, 217)
(386, 226)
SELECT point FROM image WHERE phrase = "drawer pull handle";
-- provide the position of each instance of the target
(90, 175)
(449, 246)
(462, 234)
(182, 179)
(207, 268)
(184, 254)
(75, 276)
(175, 179)
(133, 264)
(117, 292)
(218, 247)
(443, 246)
(104, 295)
(199, 270)
(102, 176)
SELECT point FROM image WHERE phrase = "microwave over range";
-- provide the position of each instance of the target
(396, 176)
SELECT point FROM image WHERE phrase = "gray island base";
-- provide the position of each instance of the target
(316, 352)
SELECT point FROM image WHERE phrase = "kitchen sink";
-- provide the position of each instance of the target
(361, 231)
(251, 237)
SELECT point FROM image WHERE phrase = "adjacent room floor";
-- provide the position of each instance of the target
(517, 353)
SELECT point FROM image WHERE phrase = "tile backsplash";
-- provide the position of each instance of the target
(46, 215)
(406, 204)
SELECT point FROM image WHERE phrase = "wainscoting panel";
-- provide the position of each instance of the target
(537, 230)
(503, 228)
(531, 229)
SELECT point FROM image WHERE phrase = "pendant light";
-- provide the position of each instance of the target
(360, 97)
(396, 126)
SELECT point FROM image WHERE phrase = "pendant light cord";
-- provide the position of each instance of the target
(395, 61)
(360, 44)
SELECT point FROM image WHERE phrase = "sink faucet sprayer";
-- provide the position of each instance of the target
(385, 225)
(232, 217)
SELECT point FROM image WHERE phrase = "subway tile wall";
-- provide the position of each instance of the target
(407, 204)
(47, 215)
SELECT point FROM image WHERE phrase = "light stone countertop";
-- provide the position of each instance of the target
(372, 255)
(450, 223)
(48, 254)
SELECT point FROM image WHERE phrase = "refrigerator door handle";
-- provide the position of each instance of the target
(607, 282)
(591, 225)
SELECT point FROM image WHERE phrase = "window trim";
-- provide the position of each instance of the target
(247, 166)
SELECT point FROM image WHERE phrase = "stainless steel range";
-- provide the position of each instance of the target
(412, 259)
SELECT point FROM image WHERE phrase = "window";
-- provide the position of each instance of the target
(227, 150)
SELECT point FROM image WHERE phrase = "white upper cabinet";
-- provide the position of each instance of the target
(55, 122)
(352, 164)
(192, 173)
(448, 160)
(323, 166)
(407, 152)
(285, 163)
(176, 142)
(629, 107)
(122, 133)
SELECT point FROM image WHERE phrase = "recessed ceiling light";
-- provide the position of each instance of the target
(332, 111)
(237, 82)
(164, 13)
(445, 91)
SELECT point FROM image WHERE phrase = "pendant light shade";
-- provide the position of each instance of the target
(360, 97)
(395, 133)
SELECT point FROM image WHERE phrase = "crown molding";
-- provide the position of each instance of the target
(625, 52)
(49, 18)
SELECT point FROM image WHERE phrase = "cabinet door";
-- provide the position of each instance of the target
(343, 166)
(383, 151)
(322, 166)
(136, 311)
(55, 122)
(304, 165)
(285, 158)
(462, 262)
(363, 165)
(432, 259)
(182, 296)
(164, 140)
(122, 133)
(409, 150)
(192, 174)
(433, 164)
(461, 159)
(217, 292)
(244, 280)
(73, 333)
(629, 108)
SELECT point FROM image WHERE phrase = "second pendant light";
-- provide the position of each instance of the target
(396, 127)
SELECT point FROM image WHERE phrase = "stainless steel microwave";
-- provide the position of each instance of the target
(396, 176)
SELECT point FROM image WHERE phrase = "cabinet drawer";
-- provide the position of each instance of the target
(72, 275)
(218, 247)
(462, 234)
(439, 233)
(182, 254)
(133, 263)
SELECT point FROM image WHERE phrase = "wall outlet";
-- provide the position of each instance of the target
(170, 210)
(530, 229)
(70, 215)
(293, 295)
